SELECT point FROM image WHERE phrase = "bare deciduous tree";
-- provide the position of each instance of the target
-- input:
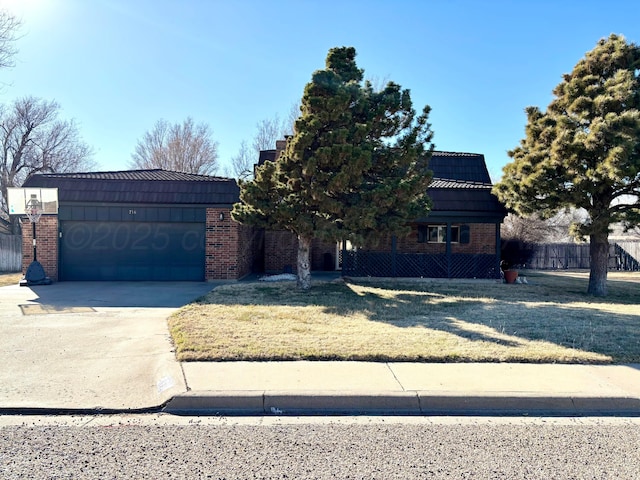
(533, 229)
(530, 229)
(268, 131)
(184, 147)
(9, 26)
(242, 164)
(32, 140)
(294, 114)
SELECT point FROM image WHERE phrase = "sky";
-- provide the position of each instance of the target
(118, 66)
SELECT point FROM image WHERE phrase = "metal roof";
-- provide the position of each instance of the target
(139, 186)
(469, 167)
(461, 183)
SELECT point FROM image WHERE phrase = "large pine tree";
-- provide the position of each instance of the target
(356, 168)
(584, 151)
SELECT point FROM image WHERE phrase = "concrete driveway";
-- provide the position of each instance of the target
(86, 345)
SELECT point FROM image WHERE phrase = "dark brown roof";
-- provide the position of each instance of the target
(139, 186)
(456, 184)
(266, 155)
(151, 174)
(462, 185)
(469, 167)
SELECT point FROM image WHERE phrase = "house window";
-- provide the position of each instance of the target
(437, 234)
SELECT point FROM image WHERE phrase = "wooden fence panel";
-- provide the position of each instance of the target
(623, 255)
(10, 253)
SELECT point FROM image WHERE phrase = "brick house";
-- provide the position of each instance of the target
(458, 237)
(162, 225)
(140, 225)
(278, 249)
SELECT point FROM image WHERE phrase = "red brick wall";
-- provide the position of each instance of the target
(46, 244)
(231, 247)
(318, 251)
(246, 249)
(281, 247)
(280, 251)
(482, 239)
(226, 254)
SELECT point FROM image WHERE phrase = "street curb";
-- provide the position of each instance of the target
(53, 411)
(293, 403)
(510, 404)
(393, 403)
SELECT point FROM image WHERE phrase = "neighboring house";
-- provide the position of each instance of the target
(140, 225)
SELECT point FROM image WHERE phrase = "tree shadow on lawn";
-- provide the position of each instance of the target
(557, 312)
(562, 315)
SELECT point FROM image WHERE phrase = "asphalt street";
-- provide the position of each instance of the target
(363, 448)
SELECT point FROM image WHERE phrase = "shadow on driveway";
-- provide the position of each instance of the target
(118, 294)
(90, 345)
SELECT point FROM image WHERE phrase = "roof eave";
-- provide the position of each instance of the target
(463, 216)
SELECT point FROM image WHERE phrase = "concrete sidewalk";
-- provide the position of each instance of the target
(100, 347)
(256, 388)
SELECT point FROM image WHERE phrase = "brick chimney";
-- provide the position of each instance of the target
(281, 145)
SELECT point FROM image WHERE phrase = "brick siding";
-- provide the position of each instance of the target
(46, 245)
(281, 253)
(323, 255)
(228, 254)
(231, 249)
(482, 240)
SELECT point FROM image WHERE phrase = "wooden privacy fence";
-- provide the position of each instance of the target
(623, 255)
(10, 253)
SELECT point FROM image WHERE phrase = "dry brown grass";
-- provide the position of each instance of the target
(10, 279)
(549, 320)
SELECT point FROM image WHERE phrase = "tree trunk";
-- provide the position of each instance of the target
(304, 263)
(599, 252)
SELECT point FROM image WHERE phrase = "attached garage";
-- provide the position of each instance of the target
(151, 243)
(144, 225)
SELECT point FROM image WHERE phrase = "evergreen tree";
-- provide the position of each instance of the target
(584, 151)
(356, 168)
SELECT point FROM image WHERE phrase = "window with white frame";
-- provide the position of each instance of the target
(437, 234)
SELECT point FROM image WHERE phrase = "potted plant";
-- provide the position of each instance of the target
(510, 275)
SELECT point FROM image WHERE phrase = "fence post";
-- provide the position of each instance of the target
(448, 250)
(394, 251)
(498, 251)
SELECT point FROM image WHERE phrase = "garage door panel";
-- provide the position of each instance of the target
(132, 251)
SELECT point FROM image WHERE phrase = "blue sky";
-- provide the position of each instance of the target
(118, 66)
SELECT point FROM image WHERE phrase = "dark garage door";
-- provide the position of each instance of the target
(113, 250)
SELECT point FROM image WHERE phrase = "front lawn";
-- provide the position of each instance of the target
(10, 279)
(549, 320)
